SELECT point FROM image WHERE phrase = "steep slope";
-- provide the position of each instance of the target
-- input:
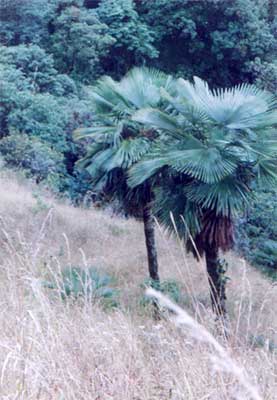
(52, 349)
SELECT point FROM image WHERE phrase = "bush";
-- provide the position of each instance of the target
(37, 68)
(257, 233)
(88, 284)
(78, 41)
(169, 287)
(36, 158)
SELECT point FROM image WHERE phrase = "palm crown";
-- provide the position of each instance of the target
(213, 144)
(117, 140)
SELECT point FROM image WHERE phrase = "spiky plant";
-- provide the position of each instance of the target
(89, 283)
(213, 145)
(117, 142)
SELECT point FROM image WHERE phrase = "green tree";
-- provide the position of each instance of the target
(256, 237)
(78, 41)
(215, 144)
(35, 157)
(39, 102)
(215, 39)
(37, 70)
(24, 21)
(134, 39)
(118, 143)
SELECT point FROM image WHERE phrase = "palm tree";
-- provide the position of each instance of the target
(213, 146)
(118, 142)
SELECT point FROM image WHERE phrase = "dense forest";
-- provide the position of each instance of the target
(53, 53)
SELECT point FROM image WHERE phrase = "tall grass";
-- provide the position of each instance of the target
(51, 349)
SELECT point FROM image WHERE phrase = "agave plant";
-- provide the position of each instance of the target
(116, 142)
(213, 145)
(76, 282)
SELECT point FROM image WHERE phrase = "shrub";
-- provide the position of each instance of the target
(78, 41)
(35, 157)
(169, 287)
(88, 284)
(257, 233)
(37, 68)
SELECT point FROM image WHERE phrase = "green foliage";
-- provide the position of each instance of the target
(261, 341)
(133, 38)
(78, 41)
(214, 145)
(116, 142)
(40, 116)
(23, 21)
(88, 284)
(168, 287)
(215, 41)
(265, 74)
(39, 102)
(35, 157)
(30, 86)
(40, 205)
(37, 69)
(257, 232)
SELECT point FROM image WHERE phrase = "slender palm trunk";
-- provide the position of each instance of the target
(217, 281)
(149, 232)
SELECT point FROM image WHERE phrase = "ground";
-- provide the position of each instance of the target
(52, 349)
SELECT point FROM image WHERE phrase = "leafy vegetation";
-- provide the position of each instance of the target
(216, 42)
(88, 284)
(257, 233)
(52, 56)
(118, 143)
(213, 146)
(169, 287)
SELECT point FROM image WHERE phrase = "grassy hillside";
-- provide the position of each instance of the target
(52, 349)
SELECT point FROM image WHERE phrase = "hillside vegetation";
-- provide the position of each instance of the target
(53, 53)
(75, 349)
(138, 187)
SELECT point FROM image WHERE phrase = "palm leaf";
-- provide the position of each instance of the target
(159, 120)
(208, 165)
(175, 211)
(241, 107)
(109, 134)
(129, 152)
(92, 150)
(267, 171)
(101, 162)
(192, 114)
(225, 197)
(107, 98)
(141, 86)
(144, 170)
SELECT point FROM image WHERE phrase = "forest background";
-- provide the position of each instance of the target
(52, 53)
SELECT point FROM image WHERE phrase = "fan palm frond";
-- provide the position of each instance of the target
(225, 197)
(123, 140)
(241, 107)
(205, 164)
(129, 152)
(176, 212)
(109, 134)
(267, 171)
(159, 120)
(141, 86)
(145, 169)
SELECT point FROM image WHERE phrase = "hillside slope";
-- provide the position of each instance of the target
(56, 350)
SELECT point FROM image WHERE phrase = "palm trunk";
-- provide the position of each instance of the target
(149, 232)
(217, 281)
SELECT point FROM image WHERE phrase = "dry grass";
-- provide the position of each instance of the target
(55, 350)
